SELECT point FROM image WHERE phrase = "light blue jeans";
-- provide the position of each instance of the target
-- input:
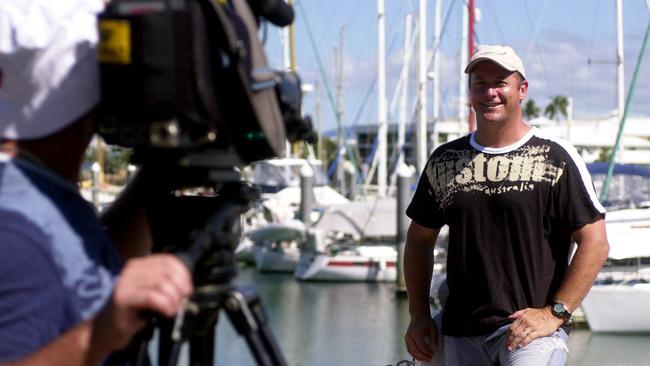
(491, 350)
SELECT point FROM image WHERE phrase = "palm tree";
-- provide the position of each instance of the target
(557, 107)
(531, 110)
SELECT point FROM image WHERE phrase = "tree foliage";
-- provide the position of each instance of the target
(558, 106)
(531, 110)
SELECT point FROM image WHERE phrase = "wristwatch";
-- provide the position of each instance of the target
(560, 311)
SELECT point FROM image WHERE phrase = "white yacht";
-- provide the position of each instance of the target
(620, 298)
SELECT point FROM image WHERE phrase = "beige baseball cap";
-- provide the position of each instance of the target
(503, 56)
(49, 73)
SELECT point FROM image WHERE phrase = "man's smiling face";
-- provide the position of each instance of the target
(496, 93)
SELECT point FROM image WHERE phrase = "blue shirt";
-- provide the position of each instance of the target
(57, 266)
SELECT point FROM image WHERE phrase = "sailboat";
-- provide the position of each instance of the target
(618, 300)
(352, 242)
(272, 234)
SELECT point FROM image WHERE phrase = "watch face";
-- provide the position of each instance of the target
(560, 311)
(558, 308)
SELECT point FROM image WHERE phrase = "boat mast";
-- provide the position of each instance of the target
(318, 126)
(403, 103)
(381, 100)
(437, 29)
(421, 129)
(339, 111)
(286, 65)
(620, 70)
(630, 97)
(462, 92)
(402, 90)
(288, 62)
(470, 52)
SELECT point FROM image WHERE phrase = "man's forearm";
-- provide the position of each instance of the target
(584, 268)
(418, 268)
(587, 261)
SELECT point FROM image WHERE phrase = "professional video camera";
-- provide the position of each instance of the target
(186, 84)
(191, 75)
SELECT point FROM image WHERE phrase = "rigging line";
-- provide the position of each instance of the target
(626, 109)
(535, 46)
(392, 27)
(593, 29)
(357, 117)
(497, 21)
(394, 159)
(328, 25)
(443, 28)
(396, 10)
(434, 47)
(399, 155)
(326, 83)
(403, 78)
(408, 133)
(589, 54)
(328, 90)
(353, 13)
(414, 7)
(573, 81)
(538, 25)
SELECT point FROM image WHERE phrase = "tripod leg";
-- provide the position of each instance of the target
(202, 339)
(168, 349)
(247, 315)
(202, 348)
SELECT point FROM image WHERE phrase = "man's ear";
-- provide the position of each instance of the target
(523, 90)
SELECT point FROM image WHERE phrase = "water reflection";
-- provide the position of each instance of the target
(324, 323)
(608, 349)
(363, 323)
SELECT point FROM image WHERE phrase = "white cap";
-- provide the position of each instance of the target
(49, 74)
(503, 56)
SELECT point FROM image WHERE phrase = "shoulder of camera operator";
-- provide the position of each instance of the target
(60, 294)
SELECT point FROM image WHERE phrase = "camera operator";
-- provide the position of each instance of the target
(65, 296)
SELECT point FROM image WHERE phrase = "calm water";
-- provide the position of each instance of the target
(320, 324)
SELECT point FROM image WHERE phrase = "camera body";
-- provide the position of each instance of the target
(183, 77)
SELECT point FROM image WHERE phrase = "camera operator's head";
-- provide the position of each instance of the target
(49, 79)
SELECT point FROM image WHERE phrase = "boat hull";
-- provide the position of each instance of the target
(347, 268)
(280, 258)
(618, 308)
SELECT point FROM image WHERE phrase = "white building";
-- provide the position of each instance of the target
(592, 137)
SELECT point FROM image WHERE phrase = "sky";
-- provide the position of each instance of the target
(555, 39)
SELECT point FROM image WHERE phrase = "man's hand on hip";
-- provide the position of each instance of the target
(530, 324)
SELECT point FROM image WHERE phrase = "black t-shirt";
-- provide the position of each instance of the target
(510, 212)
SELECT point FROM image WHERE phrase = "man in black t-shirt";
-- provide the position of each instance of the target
(514, 200)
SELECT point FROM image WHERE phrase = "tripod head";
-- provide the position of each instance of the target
(211, 226)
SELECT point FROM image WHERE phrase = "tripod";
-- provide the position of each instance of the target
(245, 311)
(211, 260)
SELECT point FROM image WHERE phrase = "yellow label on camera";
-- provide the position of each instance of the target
(114, 41)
